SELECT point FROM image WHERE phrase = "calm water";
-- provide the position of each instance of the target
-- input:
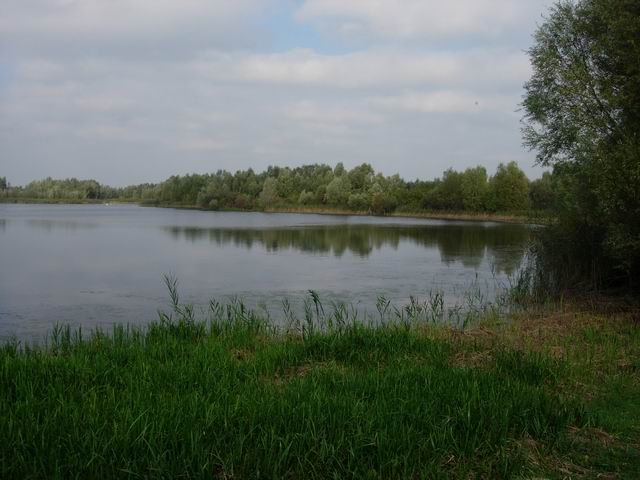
(95, 264)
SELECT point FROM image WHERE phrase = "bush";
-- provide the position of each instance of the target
(306, 198)
(359, 202)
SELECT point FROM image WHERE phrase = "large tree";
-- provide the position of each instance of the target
(338, 190)
(509, 189)
(474, 189)
(269, 194)
(582, 116)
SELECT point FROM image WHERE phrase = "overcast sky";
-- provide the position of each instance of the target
(129, 91)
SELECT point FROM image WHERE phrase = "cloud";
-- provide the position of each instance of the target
(318, 113)
(128, 28)
(204, 144)
(495, 68)
(447, 101)
(411, 19)
(115, 17)
(40, 69)
(137, 90)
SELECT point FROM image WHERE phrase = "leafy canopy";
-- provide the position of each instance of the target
(582, 116)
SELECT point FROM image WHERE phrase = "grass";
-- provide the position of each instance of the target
(600, 357)
(554, 395)
(520, 217)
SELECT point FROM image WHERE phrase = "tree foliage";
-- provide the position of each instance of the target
(582, 116)
(474, 189)
(269, 194)
(360, 189)
(509, 189)
(541, 192)
(338, 190)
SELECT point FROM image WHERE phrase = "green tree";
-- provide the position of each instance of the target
(321, 194)
(214, 194)
(582, 118)
(242, 201)
(92, 189)
(286, 183)
(509, 189)
(338, 190)
(359, 202)
(269, 194)
(3, 183)
(306, 198)
(474, 189)
(361, 177)
(382, 200)
(447, 194)
(541, 192)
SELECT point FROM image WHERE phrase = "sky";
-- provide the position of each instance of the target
(132, 91)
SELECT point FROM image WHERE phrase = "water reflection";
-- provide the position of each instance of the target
(69, 225)
(468, 244)
(92, 265)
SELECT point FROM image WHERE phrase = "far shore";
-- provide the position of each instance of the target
(461, 216)
(464, 216)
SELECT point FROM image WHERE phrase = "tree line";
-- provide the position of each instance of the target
(360, 189)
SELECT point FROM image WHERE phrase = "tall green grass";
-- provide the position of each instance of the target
(231, 396)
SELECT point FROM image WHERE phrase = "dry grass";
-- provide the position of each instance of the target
(477, 217)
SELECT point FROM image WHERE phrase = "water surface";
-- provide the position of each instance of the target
(98, 265)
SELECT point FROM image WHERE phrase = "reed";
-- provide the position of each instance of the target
(226, 394)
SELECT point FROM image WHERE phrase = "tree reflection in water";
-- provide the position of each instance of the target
(469, 244)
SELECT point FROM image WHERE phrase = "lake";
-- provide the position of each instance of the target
(93, 265)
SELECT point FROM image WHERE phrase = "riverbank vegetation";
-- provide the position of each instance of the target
(582, 118)
(328, 396)
(319, 188)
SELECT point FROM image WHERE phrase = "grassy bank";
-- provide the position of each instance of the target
(436, 215)
(538, 395)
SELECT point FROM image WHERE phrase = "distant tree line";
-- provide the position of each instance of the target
(72, 189)
(359, 189)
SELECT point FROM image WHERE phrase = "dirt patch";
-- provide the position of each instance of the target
(241, 354)
(471, 359)
(301, 371)
(593, 435)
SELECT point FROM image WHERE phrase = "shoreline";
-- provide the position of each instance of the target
(467, 217)
(453, 216)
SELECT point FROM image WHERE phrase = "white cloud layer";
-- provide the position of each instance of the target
(448, 101)
(371, 69)
(137, 90)
(420, 18)
(109, 18)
